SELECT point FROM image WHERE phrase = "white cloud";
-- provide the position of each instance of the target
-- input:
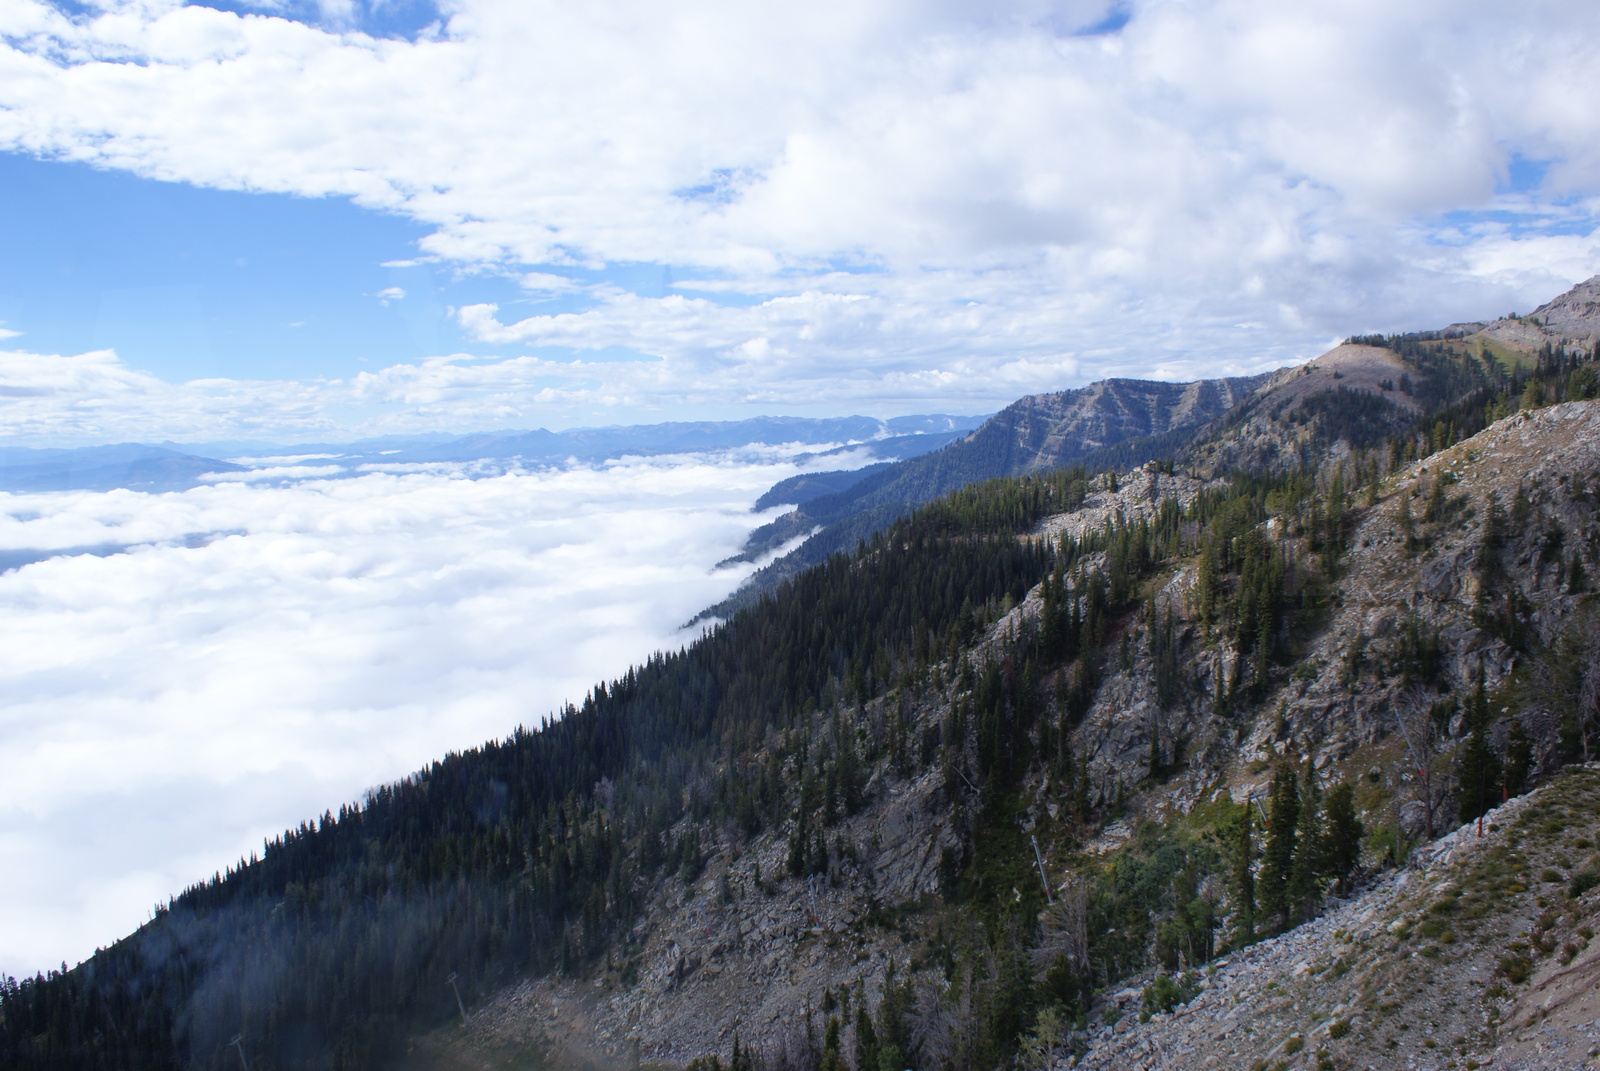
(1106, 203)
(168, 707)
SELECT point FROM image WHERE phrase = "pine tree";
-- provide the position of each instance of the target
(1342, 836)
(1490, 539)
(1434, 510)
(1080, 799)
(832, 1053)
(1408, 526)
(1519, 759)
(1306, 873)
(800, 841)
(1244, 881)
(1477, 770)
(1156, 766)
(894, 1032)
(1205, 585)
(1277, 860)
(866, 1039)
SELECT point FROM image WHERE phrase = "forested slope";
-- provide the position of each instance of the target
(1111, 707)
(1113, 424)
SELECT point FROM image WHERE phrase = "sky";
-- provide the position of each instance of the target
(297, 220)
(261, 653)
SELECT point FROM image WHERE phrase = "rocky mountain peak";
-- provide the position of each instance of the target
(1575, 314)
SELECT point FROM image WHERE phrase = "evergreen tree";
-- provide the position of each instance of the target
(1434, 510)
(866, 1039)
(832, 1051)
(1477, 769)
(1519, 759)
(1408, 525)
(1244, 881)
(1205, 586)
(894, 1032)
(742, 1059)
(1343, 833)
(1309, 867)
(1277, 862)
(800, 853)
(1080, 799)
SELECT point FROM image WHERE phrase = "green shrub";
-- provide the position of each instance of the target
(1516, 966)
(1338, 1028)
(1294, 1045)
(1166, 993)
(1583, 881)
(1434, 928)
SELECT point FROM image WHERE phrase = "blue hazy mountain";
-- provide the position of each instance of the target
(136, 466)
(173, 466)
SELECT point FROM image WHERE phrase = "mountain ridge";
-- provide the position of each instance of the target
(951, 799)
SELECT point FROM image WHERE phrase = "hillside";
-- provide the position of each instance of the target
(1116, 423)
(1358, 393)
(1478, 950)
(953, 799)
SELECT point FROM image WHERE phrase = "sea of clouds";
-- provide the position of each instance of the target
(241, 656)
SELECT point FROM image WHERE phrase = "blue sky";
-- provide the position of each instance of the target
(188, 282)
(285, 219)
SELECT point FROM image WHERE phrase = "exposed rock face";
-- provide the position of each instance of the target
(1575, 314)
(1572, 317)
(1342, 711)
(1042, 431)
(1286, 421)
(1369, 369)
(1045, 431)
(1411, 973)
(743, 950)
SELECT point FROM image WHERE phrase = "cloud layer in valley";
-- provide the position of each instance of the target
(856, 205)
(256, 655)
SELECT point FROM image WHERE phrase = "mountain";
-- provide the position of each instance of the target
(1178, 763)
(1117, 422)
(1357, 393)
(896, 437)
(102, 468)
(175, 467)
(1573, 317)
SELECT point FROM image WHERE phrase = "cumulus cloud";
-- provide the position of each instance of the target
(902, 186)
(260, 654)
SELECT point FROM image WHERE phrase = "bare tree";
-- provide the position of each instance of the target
(1413, 713)
(945, 1028)
(1064, 929)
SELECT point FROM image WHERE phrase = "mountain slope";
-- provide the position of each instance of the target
(928, 804)
(1415, 971)
(1114, 423)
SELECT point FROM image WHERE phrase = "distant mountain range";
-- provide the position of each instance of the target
(174, 466)
(136, 466)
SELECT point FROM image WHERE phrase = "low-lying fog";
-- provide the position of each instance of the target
(255, 655)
